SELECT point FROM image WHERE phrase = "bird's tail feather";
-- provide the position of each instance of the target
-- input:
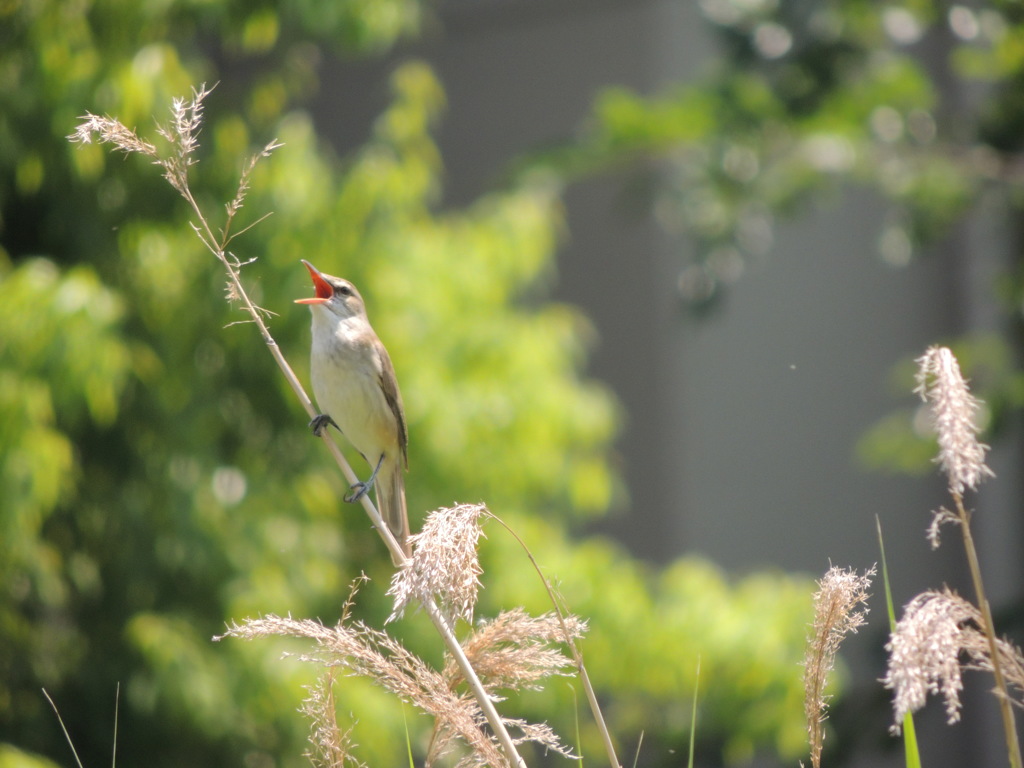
(391, 500)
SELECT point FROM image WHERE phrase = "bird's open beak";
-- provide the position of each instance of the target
(324, 290)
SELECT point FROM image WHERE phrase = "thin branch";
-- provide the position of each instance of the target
(63, 728)
(117, 714)
(246, 228)
(988, 625)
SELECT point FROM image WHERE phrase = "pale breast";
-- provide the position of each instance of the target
(346, 382)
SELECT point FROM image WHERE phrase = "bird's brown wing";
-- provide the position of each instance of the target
(389, 386)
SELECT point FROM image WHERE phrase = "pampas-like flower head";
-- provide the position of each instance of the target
(924, 653)
(840, 608)
(954, 409)
(444, 563)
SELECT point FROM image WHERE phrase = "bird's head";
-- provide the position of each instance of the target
(335, 294)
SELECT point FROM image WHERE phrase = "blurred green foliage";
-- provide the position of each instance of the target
(919, 101)
(156, 477)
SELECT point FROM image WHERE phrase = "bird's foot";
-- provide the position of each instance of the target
(360, 489)
(320, 422)
(357, 491)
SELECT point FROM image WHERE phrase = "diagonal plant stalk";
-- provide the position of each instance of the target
(1002, 692)
(577, 654)
(182, 135)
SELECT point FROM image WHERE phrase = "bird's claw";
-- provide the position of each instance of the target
(356, 492)
(320, 422)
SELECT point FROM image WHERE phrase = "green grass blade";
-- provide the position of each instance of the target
(693, 716)
(912, 755)
(408, 738)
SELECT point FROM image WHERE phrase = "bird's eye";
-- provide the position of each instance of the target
(344, 290)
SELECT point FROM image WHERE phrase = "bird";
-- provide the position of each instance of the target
(357, 392)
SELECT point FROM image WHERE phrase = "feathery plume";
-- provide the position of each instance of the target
(107, 130)
(244, 180)
(183, 135)
(840, 608)
(940, 517)
(444, 563)
(373, 654)
(924, 652)
(330, 746)
(514, 650)
(1011, 660)
(954, 410)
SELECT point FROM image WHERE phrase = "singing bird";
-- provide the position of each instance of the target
(357, 391)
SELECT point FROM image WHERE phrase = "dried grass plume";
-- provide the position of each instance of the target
(514, 651)
(955, 413)
(444, 564)
(925, 652)
(182, 134)
(840, 608)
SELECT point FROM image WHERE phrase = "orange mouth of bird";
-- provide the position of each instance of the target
(323, 289)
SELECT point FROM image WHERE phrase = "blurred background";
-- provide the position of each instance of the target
(652, 274)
